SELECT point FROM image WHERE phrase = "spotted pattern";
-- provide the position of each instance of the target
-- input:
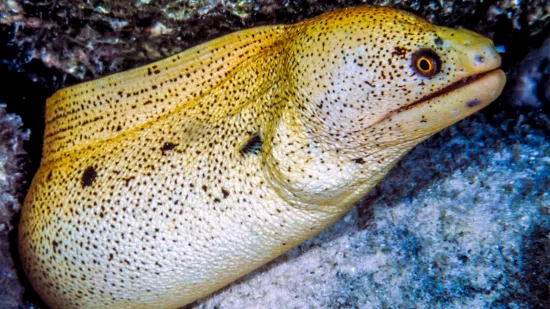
(162, 184)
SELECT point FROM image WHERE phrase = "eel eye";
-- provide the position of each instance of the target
(426, 62)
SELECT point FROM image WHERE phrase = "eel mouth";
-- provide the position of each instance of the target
(452, 87)
(456, 85)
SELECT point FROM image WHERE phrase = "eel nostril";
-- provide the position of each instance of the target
(479, 58)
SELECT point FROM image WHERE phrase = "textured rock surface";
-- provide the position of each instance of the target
(12, 137)
(88, 39)
(529, 88)
(462, 222)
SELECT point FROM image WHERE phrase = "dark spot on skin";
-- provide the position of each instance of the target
(225, 193)
(88, 177)
(473, 103)
(399, 51)
(366, 82)
(119, 128)
(253, 145)
(49, 176)
(147, 102)
(359, 161)
(438, 41)
(127, 180)
(167, 147)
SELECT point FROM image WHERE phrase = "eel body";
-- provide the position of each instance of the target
(162, 184)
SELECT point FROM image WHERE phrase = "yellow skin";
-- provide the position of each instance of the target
(160, 185)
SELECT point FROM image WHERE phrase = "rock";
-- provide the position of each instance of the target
(12, 137)
(529, 87)
(94, 38)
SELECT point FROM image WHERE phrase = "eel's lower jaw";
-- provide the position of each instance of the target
(443, 108)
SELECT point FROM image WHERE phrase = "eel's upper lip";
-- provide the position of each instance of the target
(456, 85)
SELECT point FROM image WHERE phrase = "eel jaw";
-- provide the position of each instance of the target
(443, 108)
(454, 86)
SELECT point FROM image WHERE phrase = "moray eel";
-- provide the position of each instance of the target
(162, 184)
